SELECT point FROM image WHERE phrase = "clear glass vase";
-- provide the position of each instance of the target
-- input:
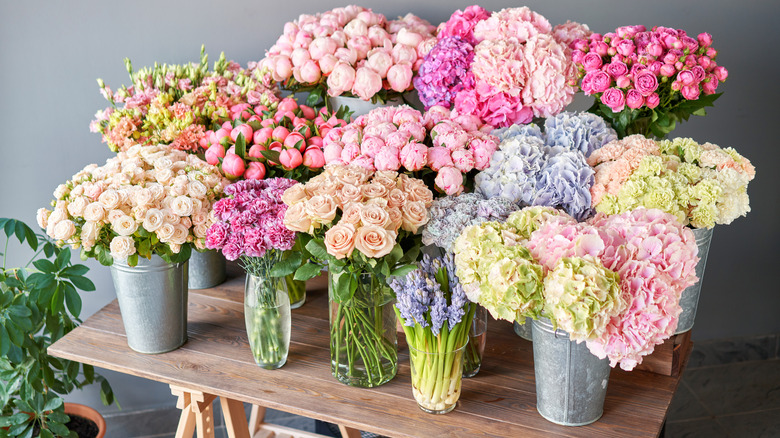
(296, 290)
(267, 317)
(363, 343)
(436, 377)
(475, 348)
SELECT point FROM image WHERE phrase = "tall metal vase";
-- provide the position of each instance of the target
(689, 301)
(153, 301)
(206, 269)
(571, 382)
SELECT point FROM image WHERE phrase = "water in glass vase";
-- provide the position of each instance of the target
(363, 344)
(268, 322)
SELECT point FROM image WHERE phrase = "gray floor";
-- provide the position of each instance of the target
(731, 388)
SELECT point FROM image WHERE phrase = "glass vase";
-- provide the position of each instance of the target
(363, 343)
(267, 317)
(296, 290)
(475, 348)
(436, 377)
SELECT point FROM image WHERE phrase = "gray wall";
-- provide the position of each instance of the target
(52, 52)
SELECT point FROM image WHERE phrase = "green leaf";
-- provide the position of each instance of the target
(106, 393)
(83, 283)
(74, 270)
(9, 227)
(103, 256)
(240, 149)
(73, 299)
(307, 271)
(14, 420)
(63, 259)
(317, 249)
(44, 265)
(403, 270)
(288, 266)
(89, 373)
(45, 433)
(59, 417)
(314, 97)
(19, 311)
(52, 404)
(57, 300)
(58, 428)
(271, 156)
(19, 230)
(5, 341)
(16, 336)
(395, 255)
(32, 239)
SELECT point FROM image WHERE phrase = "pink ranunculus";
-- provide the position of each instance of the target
(233, 166)
(439, 157)
(399, 76)
(652, 100)
(721, 73)
(645, 83)
(313, 158)
(615, 99)
(634, 99)
(463, 160)
(623, 82)
(690, 92)
(290, 158)
(255, 170)
(704, 39)
(341, 79)
(449, 180)
(380, 60)
(414, 156)
(214, 153)
(387, 159)
(667, 70)
(367, 83)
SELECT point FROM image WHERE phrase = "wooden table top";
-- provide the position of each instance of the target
(499, 401)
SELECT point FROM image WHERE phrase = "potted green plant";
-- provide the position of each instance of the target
(39, 304)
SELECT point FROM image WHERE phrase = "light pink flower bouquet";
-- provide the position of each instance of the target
(146, 200)
(350, 51)
(517, 66)
(440, 142)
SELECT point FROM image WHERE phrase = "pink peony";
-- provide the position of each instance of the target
(367, 83)
(255, 170)
(414, 156)
(449, 180)
(233, 166)
(341, 79)
(387, 159)
(439, 157)
(399, 76)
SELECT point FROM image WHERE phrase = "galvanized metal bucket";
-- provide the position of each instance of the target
(524, 330)
(571, 382)
(153, 300)
(360, 107)
(689, 301)
(206, 269)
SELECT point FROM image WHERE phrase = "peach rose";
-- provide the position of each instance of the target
(77, 206)
(294, 194)
(396, 198)
(340, 240)
(94, 212)
(157, 191)
(375, 190)
(296, 219)
(415, 215)
(122, 247)
(200, 231)
(61, 191)
(396, 218)
(165, 232)
(349, 194)
(418, 192)
(199, 216)
(321, 208)
(374, 215)
(42, 217)
(180, 234)
(90, 232)
(351, 214)
(374, 241)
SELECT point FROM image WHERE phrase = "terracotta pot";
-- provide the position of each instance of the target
(88, 413)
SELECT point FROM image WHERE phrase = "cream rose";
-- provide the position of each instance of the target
(182, 206)
(340, 240)
(163, 163)
(114, 215)
(199, 216)
(321, 208)
(55, 217)
(64, 230)
(200, 231)
(92, 190)
(374, 215)
(42, 217)
(211, 180)
(122, 247)
(90, 231)
(351, 214)
(165, 232)
(142, 197)
(415, 215)
(374, 241)
(61, 191)
(77, 206)
(294, 194)
(296, 219)
(164, 176)
(196, 189)
(109, 199)
(180, 234)
(153, 220)
(170, 216)
(157, 191)
(124, 225)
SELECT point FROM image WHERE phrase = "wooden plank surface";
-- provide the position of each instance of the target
(499, 401)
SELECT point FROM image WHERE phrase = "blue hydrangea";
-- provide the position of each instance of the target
(584, 132)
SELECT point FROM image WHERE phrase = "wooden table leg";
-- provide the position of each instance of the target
(197, 414)
(256, 419)
(235, 418)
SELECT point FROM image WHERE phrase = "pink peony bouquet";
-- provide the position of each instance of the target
(260, 142)
(176, 104)
(505, 68)
(701, 185)
(647, 81)
(350, 51)
(146, 200)
(402, 139)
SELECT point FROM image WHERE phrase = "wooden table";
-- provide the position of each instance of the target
(216, 362)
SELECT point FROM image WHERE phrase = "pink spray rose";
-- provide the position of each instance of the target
(614, 99)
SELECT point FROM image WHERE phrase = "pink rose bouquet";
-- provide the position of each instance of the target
(176, 104)
(350, 51)
(647, 81)
(505, 68)
(146, 200)
(701, 185)
(260, 142)
(402, 139)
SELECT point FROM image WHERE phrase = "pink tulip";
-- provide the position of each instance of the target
(260, 108)
(287, 104)
(220, 134)
(290, 158)
(214, 153)
(275, 146)
(313, 158)
(267, 122)
(233, 166)
(255, 170)
(227, 126)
